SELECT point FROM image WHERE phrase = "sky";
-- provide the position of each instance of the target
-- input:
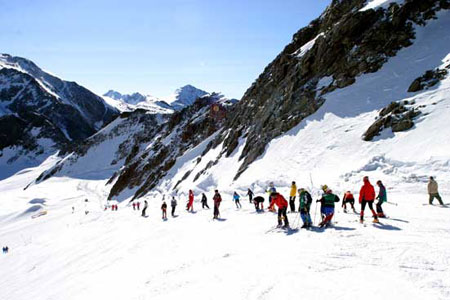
(154, 46)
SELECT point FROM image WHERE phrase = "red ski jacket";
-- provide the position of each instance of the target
(367, 191)
(191, 197)
(279, 201)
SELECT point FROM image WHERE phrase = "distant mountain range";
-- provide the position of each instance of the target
(182, 98)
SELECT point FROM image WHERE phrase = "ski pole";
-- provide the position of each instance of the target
(392, 203)
(315, 211)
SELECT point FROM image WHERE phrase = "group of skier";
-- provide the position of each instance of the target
(328, 200)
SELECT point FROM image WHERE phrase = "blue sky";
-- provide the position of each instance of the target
(154, 46)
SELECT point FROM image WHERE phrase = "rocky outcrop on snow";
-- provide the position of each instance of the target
(429, 79)
(343, 43)
(397, 116)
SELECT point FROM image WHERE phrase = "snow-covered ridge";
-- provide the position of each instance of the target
(375, 4)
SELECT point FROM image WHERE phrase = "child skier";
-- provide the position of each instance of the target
(217, 199)
(173, 203)
(259, 201)
(134, 206)
(348, 198)
(328, 199)
(250, 195)
(204, 201)
(382, 197)
(236, 198)
(164, 210)
(145, 208)
(292, 195)
(271, 189)
(366, 197)
(305, 205)
(190, 205)
(278, 200)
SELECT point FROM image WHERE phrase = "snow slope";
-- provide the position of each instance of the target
(120, 255)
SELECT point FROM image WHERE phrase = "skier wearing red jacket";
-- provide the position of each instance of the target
(367, 196)
(278, 200)
(190, 206)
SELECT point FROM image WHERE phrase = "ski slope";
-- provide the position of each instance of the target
(120, 255)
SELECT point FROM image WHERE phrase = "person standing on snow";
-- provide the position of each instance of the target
(367, 197)
(250, 195)
(382, 197)
(145, 208)
(173, 203)
(304, 207)
(138, 205)
(204, 201)
(292, 195)
(271, 189)
(190, 206)
(217, 199)
(348, 198)
(328, 199)
(433, 191)
(134, 206)
(164, 210)
(236, 198)
(86, 206)
(278, 200)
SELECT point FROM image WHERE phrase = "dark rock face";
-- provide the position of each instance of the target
(347, 43)
(64, 112)
(396, 116)
(184, 130)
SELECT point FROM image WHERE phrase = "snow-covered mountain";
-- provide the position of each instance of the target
(185, 96)
(40, 113)
(136, 101)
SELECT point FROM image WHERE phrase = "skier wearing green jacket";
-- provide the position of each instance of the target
(305, 205)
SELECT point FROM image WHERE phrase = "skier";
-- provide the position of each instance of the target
(367, 196)
(271, 189)
(164, 210)
(259, 201)
(236, 198)
(5, 250)
(134, 206)
(204, 201)
(145, 208)
(382, 197)
(217, 199)
(250, 195)
(433, 191)
(328, 199)
(86, 208)
(348, 198)
(278, 200)
(304, 207)
(292, 196)
(138, 206)
(190, 205)
(173, 203)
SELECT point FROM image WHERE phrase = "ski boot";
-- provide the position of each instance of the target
(375, 220)
(361, 219)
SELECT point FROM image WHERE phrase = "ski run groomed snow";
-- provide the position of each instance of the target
(67, 254)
